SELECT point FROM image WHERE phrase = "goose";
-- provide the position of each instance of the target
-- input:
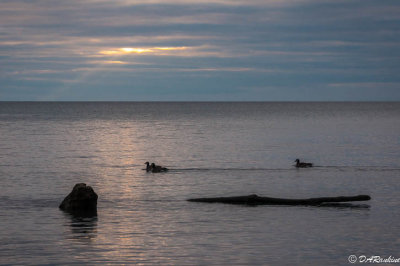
(302, 165)
(148, 167)
(157, 168)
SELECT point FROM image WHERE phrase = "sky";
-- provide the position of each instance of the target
(184, 50)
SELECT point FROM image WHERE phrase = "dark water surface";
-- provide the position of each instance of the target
(212, 149)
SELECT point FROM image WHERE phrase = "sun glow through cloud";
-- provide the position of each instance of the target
(115, 62)
(134, 50)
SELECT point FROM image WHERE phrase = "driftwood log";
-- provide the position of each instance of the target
(256, 200)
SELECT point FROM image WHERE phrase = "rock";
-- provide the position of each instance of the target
(82, 199)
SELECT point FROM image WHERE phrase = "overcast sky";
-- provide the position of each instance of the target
(224, 50)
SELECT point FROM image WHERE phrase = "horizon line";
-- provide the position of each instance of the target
(194, 101)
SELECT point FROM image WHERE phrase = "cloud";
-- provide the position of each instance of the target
(286, 43)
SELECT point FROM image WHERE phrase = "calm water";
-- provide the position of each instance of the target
(212, 149)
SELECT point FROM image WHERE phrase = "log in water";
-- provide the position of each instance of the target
(256, 200)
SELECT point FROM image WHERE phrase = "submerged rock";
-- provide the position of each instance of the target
(82, 199)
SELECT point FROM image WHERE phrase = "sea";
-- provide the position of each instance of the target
(212, 149)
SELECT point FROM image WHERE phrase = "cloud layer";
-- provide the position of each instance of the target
(200, 50)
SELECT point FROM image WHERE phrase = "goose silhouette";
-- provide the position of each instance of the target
(148, 167)
(157, 168)
(302, 165)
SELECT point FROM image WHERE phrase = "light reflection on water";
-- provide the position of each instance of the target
(82, 229)
(212, 150)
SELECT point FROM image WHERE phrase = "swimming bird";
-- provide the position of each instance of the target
(302, 165)
(148, 167)
(158, 169)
